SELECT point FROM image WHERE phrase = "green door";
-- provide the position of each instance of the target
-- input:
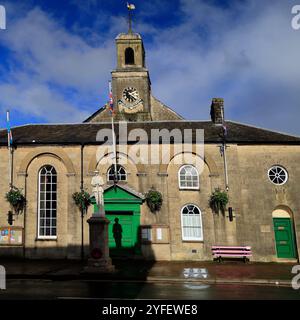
(126, 221)
(284, 237)
(125, 205)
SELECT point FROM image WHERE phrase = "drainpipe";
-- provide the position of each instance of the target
(225, 165)
(217, 117)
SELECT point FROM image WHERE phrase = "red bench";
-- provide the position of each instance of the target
(220, 252)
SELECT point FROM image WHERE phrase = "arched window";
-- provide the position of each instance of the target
(121, 173)
(129, 56)
(188, 177)
(47, 202)
(191, 223)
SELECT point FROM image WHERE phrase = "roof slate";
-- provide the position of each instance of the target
(85, 133)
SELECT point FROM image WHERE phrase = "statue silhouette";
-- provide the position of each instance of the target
(117, 232)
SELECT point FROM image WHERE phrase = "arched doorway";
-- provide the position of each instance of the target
(284, 233)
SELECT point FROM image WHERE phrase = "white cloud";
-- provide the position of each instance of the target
(50, 67)
(246, 52)
(39, 101)
(50, 52)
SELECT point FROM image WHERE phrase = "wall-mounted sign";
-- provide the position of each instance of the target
(156, 233)
(11, 236)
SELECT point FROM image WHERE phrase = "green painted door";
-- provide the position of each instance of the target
(128, 228)
(284, 237)
(122, 204)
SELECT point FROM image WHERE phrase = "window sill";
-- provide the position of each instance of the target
(192, 241)
(111, 183)
(189, 189)
(46, 239)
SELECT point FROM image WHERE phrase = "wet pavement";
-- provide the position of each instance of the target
(79, 289)
(211, 272)
(138, 279)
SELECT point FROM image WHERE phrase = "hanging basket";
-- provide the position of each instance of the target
(154, 200)
(16, 200)
(218, 201)
(82, 200)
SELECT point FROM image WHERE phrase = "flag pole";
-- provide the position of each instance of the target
(111, 102)
(114, 149)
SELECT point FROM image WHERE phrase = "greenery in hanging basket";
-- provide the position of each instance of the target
(218, 200)
(82, 200)
(154, 200)
(16, 199)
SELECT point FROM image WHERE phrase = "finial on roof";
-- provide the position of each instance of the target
(130, 8)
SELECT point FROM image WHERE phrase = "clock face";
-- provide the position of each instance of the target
(130, 95)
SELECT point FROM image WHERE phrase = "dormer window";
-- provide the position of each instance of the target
(129, 56)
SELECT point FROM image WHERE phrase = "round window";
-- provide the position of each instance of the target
(278, 175)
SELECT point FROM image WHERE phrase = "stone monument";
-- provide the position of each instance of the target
(97, 190)
(99, 260)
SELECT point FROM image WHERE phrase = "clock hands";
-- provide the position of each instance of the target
(132, 95)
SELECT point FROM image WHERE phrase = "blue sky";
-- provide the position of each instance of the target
(56, 57)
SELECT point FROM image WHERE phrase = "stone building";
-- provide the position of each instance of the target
(52, 161)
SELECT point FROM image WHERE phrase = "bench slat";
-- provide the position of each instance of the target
(230, 254)
(229, 247)
(234, 255)
(231, 251)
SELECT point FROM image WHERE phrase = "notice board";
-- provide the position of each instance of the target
(11, 236)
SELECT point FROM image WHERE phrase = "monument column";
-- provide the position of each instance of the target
(99, 260)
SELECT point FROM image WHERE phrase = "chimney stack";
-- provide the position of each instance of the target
(217, 111)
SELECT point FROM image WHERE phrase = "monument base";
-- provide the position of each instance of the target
(99, 261)
(99, 266)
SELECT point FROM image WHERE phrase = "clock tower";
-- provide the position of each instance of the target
(131, 84)
(131, 87)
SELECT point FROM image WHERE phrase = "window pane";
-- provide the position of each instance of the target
(185, 210)
(42, 213)
(42, 223)
(196, 210)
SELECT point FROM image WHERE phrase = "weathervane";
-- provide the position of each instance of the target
(130, 7)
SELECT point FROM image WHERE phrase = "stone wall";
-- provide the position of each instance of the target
(252, 196)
